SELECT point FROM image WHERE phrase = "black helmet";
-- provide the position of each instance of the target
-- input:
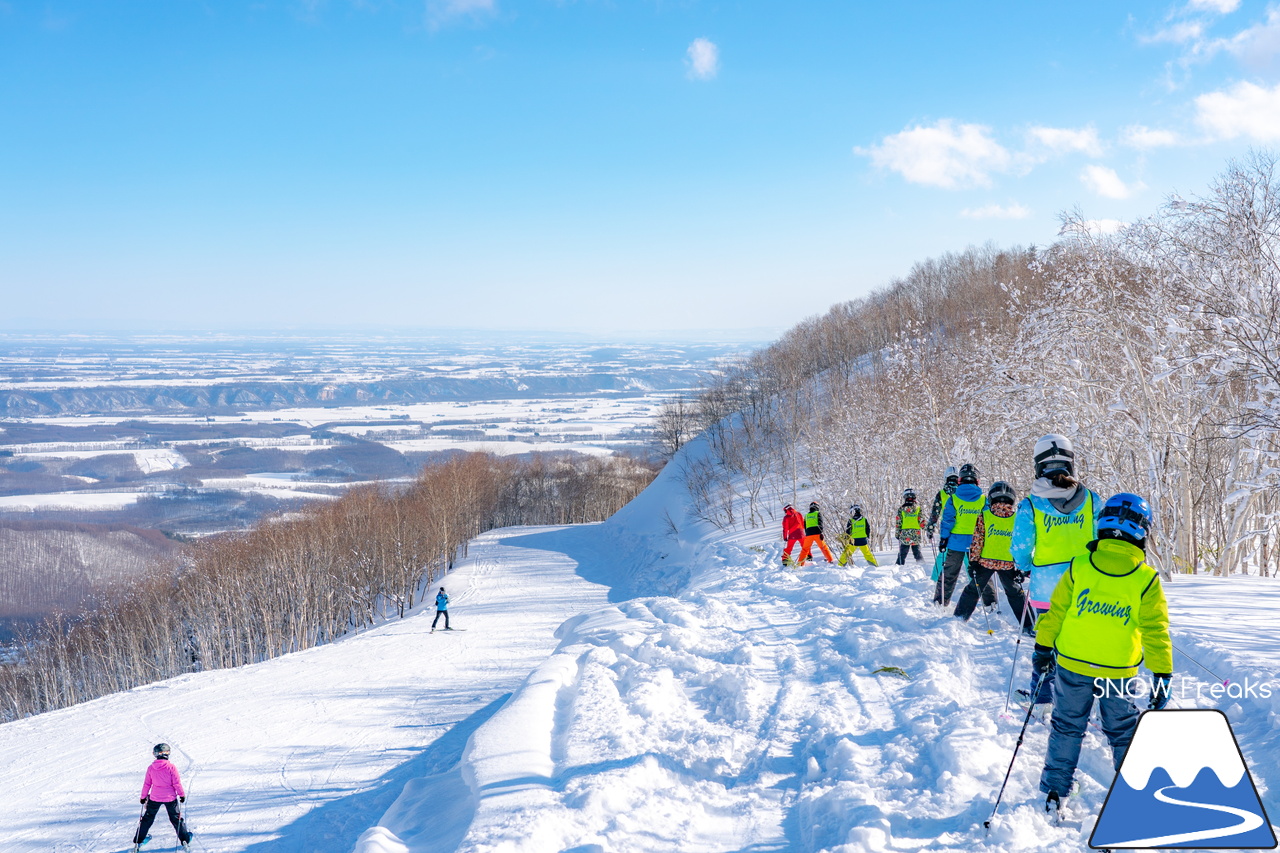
(968, 473)
(909, 495)
(813, 505)
(856, 508)
(1002, 491)
(160, 750)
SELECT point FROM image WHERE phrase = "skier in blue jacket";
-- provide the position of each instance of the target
(1054, 525)
(958, 521)
(442, 609)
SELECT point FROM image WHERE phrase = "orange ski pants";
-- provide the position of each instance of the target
(809, 542)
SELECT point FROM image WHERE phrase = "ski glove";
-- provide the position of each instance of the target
(1160, 691)
(182, 799)
(942, 543)
(143, 800)
(1041, 659)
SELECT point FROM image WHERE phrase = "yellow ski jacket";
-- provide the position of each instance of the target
(1108, 614)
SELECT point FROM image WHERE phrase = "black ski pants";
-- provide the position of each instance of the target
(951, 572)
(439, 613)
(149, 817)
(904, 547)
(980, 576)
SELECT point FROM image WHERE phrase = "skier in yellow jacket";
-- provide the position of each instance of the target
(1107, 616)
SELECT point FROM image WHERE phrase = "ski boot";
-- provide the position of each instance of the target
(1053, 807)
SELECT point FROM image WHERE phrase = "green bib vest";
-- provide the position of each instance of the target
(997, 538)
(1101, 624)
(1059, 538)
(858, 528)
(910, 516)
(967, 513)
(811, 519)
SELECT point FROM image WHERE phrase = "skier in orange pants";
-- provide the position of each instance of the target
(813, 535)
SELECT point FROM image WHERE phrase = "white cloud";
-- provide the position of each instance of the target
(1181, 32)
(1245, 109)
(1064, 140)
(945, 155)
(440, 12)
(703, 58)
(1106, 183)
(1221, 7)
(995, 211)
(1143, 138)
(1258, 46)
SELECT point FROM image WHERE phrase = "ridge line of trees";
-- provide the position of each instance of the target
(303, 579)
(1156, 348)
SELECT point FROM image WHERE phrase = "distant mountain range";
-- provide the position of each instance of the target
(229, 397)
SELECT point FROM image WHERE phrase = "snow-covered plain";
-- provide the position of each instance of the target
(622, 687)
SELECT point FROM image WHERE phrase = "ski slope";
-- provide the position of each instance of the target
(302, 753)
(648, 684)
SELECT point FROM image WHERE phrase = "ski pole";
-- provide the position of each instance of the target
(137, 832)
(1197, 663)
(986, 616)
(1025, 720)
(1017, 648)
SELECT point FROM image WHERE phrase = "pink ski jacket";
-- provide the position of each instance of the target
(162, 782)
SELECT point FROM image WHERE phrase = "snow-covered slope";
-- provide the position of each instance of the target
(302, 753)
(648, 684)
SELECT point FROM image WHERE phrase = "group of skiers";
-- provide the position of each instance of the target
(1095, 607)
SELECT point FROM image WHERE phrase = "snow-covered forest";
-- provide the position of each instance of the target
(1156, 347)
(302, 580)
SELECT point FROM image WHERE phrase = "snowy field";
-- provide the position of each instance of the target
(620, 688)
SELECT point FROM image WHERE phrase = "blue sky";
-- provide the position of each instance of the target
(588, 166)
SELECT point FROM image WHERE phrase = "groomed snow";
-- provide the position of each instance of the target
(623, 687)
(302, 753)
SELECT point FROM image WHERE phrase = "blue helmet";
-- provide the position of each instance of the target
(1128, 515)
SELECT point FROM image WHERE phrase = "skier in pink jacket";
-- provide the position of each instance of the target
(162, 787)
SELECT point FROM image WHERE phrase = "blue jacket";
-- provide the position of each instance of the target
(960, 541)
(442, 601)
(1043, 578)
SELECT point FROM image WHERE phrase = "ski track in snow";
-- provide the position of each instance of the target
(304, 752)
(581, 712)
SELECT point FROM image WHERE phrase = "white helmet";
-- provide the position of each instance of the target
(1054, 453)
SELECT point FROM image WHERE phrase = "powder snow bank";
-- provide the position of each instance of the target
(647, 684)
(752, 707)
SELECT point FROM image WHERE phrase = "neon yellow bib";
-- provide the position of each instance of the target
(858, 526)
(967, 513)
(997, 540)
(1062, 538)
(1101, 624)
(910, 517)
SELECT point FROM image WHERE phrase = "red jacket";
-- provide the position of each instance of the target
(792, 524)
